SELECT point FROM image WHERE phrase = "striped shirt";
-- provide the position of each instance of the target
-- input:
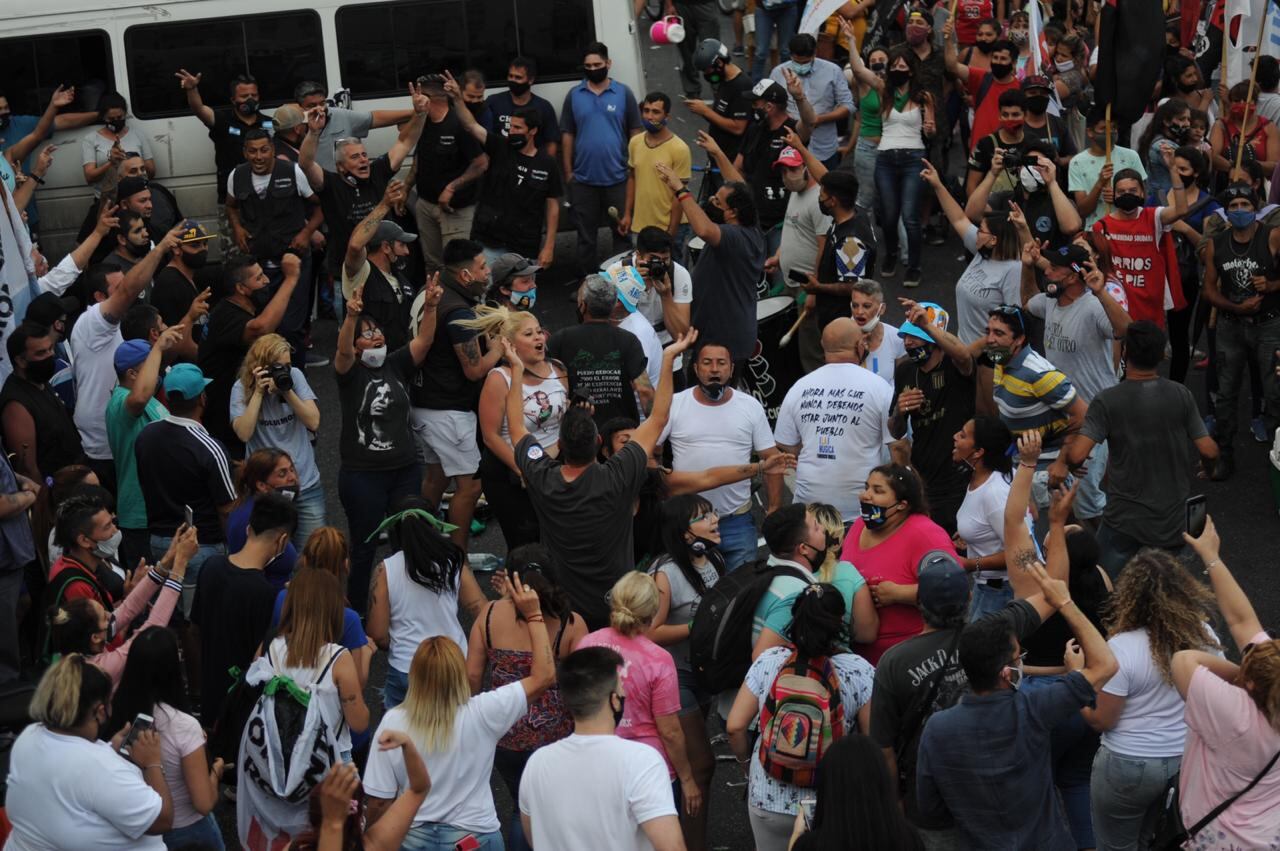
(181, 464)
(1032, 394)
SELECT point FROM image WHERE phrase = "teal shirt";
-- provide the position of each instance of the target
(774, 609)
(122, 430)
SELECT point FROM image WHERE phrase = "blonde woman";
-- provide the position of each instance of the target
(456, 734)
(652, 711)
(546, 397)
(266, 415)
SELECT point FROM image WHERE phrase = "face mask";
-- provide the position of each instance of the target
(617, 713)
(1100, 140)
(1000, 70)
(984, 46)
(260, 298)
(1015, 675)
(825, 208)
(110, 548)
(40, 371)
(878, 68)
(713, 212)
(998, 354)
(517, 140)
(1038, 103)
(1128, 203)
(1188, 88)
(916, 35)
(713, 75)
(1018, 37)
(373, 358)
(920, 354)
(1030, 179)
(195, 259)
(525, 300)
(1011, 125)
(115, 126)
(1240, 219)
(802, 69)
(758, 115)
(247, 107)
(713, 390)
(1237, 111)
(475, 108)
(871, 324)
(1064, 65)
(517, 89)
(1178, 132)
(899, 78)
(4, 121)
(597, 75)
(289, 492)
(137, 250)
(874, 516)
(654, 126)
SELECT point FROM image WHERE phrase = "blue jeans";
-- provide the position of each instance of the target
(201, 834)
(1091, 500)
(784, 20)
(1125, 792)
(1115, 548)
(433, 836)
(160, 546)
(898, 195)
(510, 765)
(366, 496)
(394, 688)
(865, 154)
(310, 505)
(986, 599)
(738, 540)
(1072, 745)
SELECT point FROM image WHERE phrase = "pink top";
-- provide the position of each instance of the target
(180, 736)
(649, 681)
(1228, 742)
(894, 560)
(111, 662)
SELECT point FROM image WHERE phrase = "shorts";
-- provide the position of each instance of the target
(692, 697)
(448, 439)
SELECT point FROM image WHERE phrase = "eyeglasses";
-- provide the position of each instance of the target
(1270, 633)
(705, 516)
(370, 333)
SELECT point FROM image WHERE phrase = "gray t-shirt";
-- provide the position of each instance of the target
(684, 602)
(280, 427)
(798, 249)
(95, 149)
(1077, 339)
(1148, 425)
(343, 124)
(984, 284)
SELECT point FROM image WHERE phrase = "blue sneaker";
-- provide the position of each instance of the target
(1259, 430)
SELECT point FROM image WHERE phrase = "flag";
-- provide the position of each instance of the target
(1189, 19)
(17, 273)
(1243, 18)
(816, 13)
(882, 14)
(1131, 53)
(1035, 34)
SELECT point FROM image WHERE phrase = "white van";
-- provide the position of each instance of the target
(374, 49)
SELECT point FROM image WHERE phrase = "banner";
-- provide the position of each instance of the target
(816, 13)
(17, 273)
(1243, 18)
(1131, 52)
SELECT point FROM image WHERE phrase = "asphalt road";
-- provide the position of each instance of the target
(1242, 508)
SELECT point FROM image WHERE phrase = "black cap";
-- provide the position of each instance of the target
(131, 186)
(770, 91)
(1069, 256)
(47, 308)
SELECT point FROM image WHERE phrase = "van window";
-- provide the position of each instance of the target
(31, 67)
(385, 46)
(280, 50)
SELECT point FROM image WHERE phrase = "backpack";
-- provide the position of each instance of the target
(803, 716)
(720, 635)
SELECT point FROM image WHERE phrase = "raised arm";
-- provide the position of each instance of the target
(701, 225)
(269, 319)
(651, 429)
(412, 129)
(468, 121)
(1064, 209)
(107, 222)
(696, 481)
(18, 151)
(317, 118)
(394, 821)
(961, 355)
(144, 386)
(809, 117)
(191, 85)
(355, 258)
(515, 394)
(1019, 549)
(951, 53)
(953, 211)
(728, 171)
(1170, 213)
(1088, 653)
(421, 342)
(137, 278)
(1236, 609)
(861, 73)
(345, 356)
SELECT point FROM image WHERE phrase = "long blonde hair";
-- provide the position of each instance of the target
(312, 616)
(265, 351)
(633, 603)
(500, 321)
(833, 524)
(438, 688)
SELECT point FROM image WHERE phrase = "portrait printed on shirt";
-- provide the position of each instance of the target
(381, 405)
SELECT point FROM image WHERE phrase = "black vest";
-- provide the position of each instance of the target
(273, 220)
(387, 300)
(440, 384)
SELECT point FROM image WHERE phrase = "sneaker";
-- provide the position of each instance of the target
(1223, 469)
(1259, 430)
(889, 267)
(934, 235)
(912, 279)
(316, 360)
(738, 50)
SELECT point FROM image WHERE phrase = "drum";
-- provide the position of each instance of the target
(772, 368)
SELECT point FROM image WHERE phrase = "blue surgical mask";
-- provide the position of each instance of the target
(525, 300)
(1241, 218)
(653, 126)
(802, 69)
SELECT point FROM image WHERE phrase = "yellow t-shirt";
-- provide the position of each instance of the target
(653, 196)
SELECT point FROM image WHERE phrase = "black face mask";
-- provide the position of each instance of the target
(984, 46)
(617, 713)
(1128, 203)
(597, 75)
(137, 250)
(260, 298)
(196, 259)
(920, 354)
(713, 212)
(40, 371)
(247, 107)
(825, 208)
(4, 121)
(1000, 70)
(714, 75)
(898, 78)
(475, 108)
(517, 140)
(1188, 88)
(1177, 132)
(115, 126)
(517, 89)
(713, 390)
(1038, 104)
(877, 67)
(1054, 290)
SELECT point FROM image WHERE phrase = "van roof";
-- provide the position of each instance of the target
(45, 13)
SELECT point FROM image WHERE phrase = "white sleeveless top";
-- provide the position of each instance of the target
(544, 407)
(902, 130)
(418, 613)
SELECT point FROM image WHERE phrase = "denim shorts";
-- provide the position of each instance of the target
(433, 836)
(692, 696)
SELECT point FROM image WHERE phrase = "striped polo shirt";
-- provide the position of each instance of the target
(1032, 394)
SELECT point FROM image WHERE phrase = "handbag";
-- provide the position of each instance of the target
(1170, 833)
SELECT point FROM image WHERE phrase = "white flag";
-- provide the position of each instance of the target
(17, 273)
(816, 14)
(1241, 49)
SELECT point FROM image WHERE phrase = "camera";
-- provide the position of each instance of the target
(281, 376)
(657, 269)
(1015, 159)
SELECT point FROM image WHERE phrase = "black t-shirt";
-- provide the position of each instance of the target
(180, 464)
(1238, 262)
(512, 210)
(733, 100)
(602, 361)
(586, 523)
(227, 134)
(760, 151)
(844, 260)
(375, 414)
(345, 205)
(232, 607)
(948, 405)
(983, 152)
(1055, 133)
(501, 107)
(1041, 219)
(221, 352)
(172, 294)
(444, 151)
(724, 289)
(904, 678)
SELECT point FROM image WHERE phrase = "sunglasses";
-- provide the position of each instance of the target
(1270, 633)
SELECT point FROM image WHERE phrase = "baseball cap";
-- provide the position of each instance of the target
(942, 584)
(1071, 256)
(937, 317)
(131, 186)
(388, 230)
(1036, 81)
(186, 380)
(770, 91)
(288, 116)
(130, 353)
(919, 15)
(510, 265)
(790, 157)
(629, 284)
(709, 50)
(193, 231)
(46, 308)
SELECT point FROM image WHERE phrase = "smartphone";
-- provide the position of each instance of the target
(797, 276)
(1197, 511)
(187, 514)
(143, 721)
(807, 807)
(467, 843)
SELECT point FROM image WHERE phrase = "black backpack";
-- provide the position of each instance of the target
(720, 635)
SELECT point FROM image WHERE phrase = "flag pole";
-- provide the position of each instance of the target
(1108, 134)
(1253, 76)
(1222, 67)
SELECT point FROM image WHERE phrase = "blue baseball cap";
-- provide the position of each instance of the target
(186, 380)
(942, 584)
(937, 317)
(130, 353)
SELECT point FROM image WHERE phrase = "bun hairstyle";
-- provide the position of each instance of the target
(538, 571)
(72, 625)
(818, 622)
(68, 692)
(633, 602)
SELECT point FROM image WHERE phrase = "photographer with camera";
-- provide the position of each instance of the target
(1008, 140)
(272, 406)
(668, 285)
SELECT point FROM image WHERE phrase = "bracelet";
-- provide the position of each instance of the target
(743, 761)
(153, 765)
(1210, 565)
(1025, 464)
(535, 618)
(681, 193)
(37, 178)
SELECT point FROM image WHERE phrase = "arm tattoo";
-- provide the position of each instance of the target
(470, 351)
(1024, 558)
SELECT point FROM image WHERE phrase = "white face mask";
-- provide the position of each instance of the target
(1064, 64)
(1030, 179)
(1015, 675)
(374, 358)
(110, 548)
(871, 324)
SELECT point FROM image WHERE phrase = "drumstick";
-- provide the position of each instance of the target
(804, 313)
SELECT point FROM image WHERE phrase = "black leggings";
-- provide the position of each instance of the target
(509, 502)
(1180, 322)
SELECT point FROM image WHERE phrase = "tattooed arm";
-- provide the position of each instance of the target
(476, 365)
(347, 679)
(1019, 550)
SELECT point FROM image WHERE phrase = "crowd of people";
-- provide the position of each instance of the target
(990, 612)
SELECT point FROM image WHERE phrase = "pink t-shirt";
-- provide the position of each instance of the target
(649, 680)
(895, 560)
(1228, 742)
(180, 736)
